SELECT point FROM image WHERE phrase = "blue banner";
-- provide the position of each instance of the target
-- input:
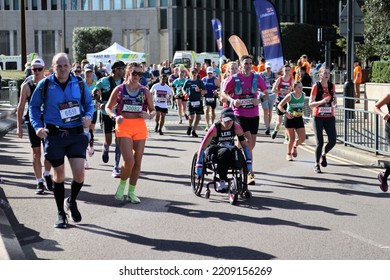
(269, 27)
(217, 27)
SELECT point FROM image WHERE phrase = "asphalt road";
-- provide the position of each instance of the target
(294, 214)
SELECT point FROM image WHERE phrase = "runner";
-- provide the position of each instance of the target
(161, 93)
(294, 119)
(195, 90)
(180, 98)
(211, 83)
(267, 104)
(27, 89)
(134, 105)
(241, 90)
(323, 100)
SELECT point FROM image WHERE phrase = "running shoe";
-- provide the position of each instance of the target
(206, 128)
(62, 220)
(91, 151)
(289, 157)
(72, 208)
(116, 172)
(105, 156)
(194, 134)
(160, 132)
(221, 186)
(268, 132)
(186, 116)
(285, 140)
(381, 177)
(40, 188)
(251, 178)
(181, 121)
(156, 128)
(274, 133)
(132, 198)
(295, 153)
(86, 165)
(323, 161)
(317, 168)
(189, 130)
(49, 183)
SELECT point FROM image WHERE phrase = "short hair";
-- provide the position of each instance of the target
(246, 56)
(133, 64)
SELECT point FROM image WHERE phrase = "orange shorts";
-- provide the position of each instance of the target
(132, 128)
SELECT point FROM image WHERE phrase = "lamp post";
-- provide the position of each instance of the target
(63, 4)
(23, 33)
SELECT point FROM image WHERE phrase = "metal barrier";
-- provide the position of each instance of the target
(13, 93)
(360, 128)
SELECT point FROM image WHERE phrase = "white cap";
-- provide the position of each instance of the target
(38, 62)
(268, 65)
(210, 70)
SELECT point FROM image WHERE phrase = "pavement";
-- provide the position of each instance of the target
(10, 248)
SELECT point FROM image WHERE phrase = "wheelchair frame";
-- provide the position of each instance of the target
(237, 184)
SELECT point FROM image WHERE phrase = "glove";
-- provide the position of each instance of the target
(199, 169)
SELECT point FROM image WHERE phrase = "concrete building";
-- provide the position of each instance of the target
(155, 27)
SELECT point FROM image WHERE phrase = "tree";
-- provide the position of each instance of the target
(376, 26)
(90, 40)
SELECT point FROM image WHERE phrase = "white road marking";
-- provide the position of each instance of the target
(365, 240)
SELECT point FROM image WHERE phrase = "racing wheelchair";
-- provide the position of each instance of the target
(237, 179)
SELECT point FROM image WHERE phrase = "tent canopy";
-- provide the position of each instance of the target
(115, 52)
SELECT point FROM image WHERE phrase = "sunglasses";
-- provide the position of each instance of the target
(37, 69)
(135, 73)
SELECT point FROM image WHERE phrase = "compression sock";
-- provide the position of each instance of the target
(131, 195)
(59, 195)
(120, 190)
(74, 190)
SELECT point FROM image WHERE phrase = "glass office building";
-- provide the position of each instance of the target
(156, 27)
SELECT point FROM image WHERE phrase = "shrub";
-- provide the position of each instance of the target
(380, 72)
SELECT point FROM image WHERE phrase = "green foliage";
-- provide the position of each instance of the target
(300, 39)
(380, 72)
(377, 26)
(90, 40)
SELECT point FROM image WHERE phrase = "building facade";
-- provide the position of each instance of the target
(155, 27)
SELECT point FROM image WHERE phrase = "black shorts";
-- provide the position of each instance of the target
(195, 110)
(296, 122)
(212, 104)
(108, 124)
(34, 139)
(162, 110)
(249, 124)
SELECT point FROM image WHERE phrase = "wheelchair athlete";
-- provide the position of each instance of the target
(219, 143)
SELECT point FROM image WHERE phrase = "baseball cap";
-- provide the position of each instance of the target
(268, 65)
(88, 67)
(118, 64)
(227, 114)
(38, 62)
(210, 70)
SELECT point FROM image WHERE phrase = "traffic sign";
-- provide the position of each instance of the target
(358, 20)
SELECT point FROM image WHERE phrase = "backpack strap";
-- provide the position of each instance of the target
(238, 87)
(254, 82)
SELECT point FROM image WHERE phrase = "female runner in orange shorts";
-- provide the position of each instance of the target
(134, 104)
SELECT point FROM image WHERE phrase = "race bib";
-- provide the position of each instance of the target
(325, 110)
(132, 108)
(195, 103)
(161, 99)
(210, 99)
(70, 111)
(246, 103)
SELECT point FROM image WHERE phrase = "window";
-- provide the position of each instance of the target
(73, 5)
(16, 5)
(140, 4)
(117, 5)
(48, 46)
(54, 5)
(164, 3)
(95, 5)
(84, 5)
(152, 3)
(6, 5)
(4, 43)
(34, 4)
(163, 19)
(129, 4)
(106, 5)
(43, 5)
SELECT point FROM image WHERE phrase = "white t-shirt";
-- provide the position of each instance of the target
(161, 94)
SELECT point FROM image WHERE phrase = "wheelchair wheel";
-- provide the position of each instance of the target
(244, 192)
(196, 181)
(233, 192)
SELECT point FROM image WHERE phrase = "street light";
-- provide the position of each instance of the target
(63, 4)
